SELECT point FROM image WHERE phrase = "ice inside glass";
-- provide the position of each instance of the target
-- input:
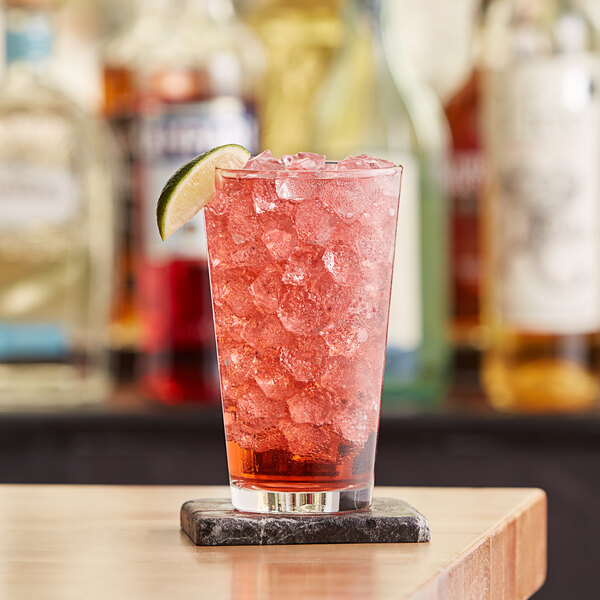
(301, 254)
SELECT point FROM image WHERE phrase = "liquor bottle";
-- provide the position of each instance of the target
(301, 39)
(195, 87)
(56, 228)
(464, 181)
(119, 107)
(541, 112)
(374, 103)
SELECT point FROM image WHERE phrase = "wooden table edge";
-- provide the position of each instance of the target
(526, 529)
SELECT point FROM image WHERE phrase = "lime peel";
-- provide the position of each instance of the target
(192, 186)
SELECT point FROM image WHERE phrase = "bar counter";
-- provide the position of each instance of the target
(73, 542)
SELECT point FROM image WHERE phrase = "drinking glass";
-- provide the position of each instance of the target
(301, 272)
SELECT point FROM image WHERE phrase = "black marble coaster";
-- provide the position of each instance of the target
(214, 522)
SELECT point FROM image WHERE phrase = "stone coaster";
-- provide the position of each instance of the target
(214, 522)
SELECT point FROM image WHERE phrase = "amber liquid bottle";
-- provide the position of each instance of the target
(464, 180)
(541, 113)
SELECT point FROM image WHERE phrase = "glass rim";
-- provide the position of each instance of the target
(313, 173)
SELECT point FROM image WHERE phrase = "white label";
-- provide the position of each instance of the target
(405, 329)
(543, 120)
(171, 139)
(32, 195)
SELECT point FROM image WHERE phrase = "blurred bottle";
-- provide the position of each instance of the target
(119, 107)
(56, 228)
(464, 184)
(189, 85)
(437, 40)
(378, 106)
(542, 217)
(301, 38)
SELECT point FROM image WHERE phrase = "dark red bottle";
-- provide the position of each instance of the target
(465, 179)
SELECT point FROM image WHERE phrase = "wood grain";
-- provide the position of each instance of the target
(72, 542)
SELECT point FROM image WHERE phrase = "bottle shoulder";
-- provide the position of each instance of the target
(40, 122)
(395, 112)
(21, 92)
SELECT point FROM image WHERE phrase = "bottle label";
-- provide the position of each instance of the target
(405, 330)
(29, 39)
(37, 341)
(542, 126)
(168, 141)
(464, 182)
(464, 179)
(36, 195)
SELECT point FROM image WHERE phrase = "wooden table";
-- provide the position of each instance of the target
(101, 542)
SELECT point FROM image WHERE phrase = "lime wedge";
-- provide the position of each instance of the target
(192, 186)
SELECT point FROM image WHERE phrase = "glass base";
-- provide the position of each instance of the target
(271, 501)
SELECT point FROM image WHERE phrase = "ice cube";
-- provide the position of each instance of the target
(252, 255)
(372, 243)
(347, 375)
(359, 417)
(301, 315)
(264, 161)
(279, 242)
(255, 436)
(303, 160)
(304, 357)
(303, 265)
(267, 289)
(235, 360)
(349, 197)
(252, 404)
(227, 324)
(264, 197)
(369, 309)
(363, 161)
(334, 298)
(272, 378)
(356, 425)
(222, 201)
(314, 223)
(231, 286)
(297, 188)
(306, 440)
(342, 338)
(312, 404)
(242, 225)
(220, 244)
(343, 263)
(264, 333)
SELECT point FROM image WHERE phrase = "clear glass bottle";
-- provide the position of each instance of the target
(374, 103)
(56, 229)
(301, 39)
(192, 86)
(541, 110)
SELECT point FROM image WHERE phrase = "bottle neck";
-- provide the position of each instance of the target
(28, 38)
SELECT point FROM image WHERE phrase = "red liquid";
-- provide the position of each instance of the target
(178, 363)
(352, 467)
